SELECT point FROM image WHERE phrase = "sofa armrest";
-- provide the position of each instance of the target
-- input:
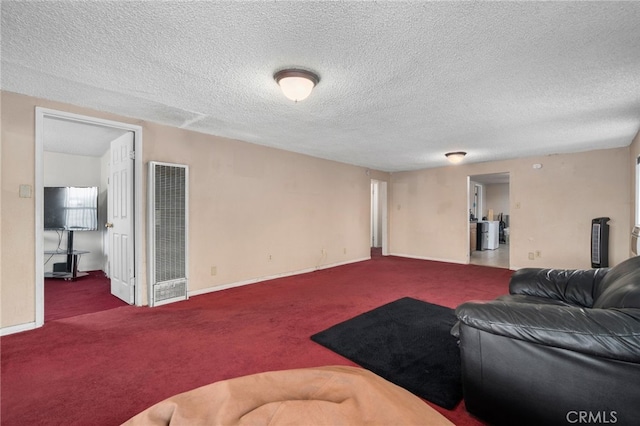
(573, 286)
(609, 333)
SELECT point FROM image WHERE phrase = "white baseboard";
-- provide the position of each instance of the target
(271, 277)
(17, 328)
(435, 259)
(333, 265)
(32, 325)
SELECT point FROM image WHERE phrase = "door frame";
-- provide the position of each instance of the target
(478, 181)
(379, 202)
(384, 216)
(375, 208)
(40, 115)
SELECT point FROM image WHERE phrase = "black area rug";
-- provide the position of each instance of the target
(408, 343)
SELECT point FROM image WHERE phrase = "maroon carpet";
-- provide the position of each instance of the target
(103, 368)
(91, 293)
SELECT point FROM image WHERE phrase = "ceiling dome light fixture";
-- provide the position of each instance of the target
(455, 157)
(296, 84)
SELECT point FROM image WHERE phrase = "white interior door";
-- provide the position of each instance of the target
(384, 217)
(121, 218)
(379, 216)
(375, 216)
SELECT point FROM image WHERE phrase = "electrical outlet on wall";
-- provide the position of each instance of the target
(531, 256)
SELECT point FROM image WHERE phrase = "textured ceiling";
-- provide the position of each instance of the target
(401, 83)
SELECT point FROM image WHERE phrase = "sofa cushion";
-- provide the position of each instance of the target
(607, 333)
(534, 300)
(620, 288)
(576, 287)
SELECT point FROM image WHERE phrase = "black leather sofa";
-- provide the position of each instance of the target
(562, 348)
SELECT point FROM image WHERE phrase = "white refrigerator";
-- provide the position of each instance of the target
(488, 234)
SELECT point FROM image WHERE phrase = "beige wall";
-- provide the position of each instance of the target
(255, 212)
(550, 208)
(634, 154)
(250, 202)
(1, 210)
(496, 199)
(18, 230)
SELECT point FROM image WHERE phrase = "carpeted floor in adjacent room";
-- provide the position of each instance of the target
(84, 295)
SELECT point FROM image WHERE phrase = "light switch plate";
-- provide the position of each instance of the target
(25, 191)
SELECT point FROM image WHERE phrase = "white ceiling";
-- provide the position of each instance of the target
(401, 83)
(491, 178)
(77, 138)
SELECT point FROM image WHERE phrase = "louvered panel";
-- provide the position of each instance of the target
(595, 243)
(168, 191)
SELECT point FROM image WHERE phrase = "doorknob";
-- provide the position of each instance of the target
(108, 225)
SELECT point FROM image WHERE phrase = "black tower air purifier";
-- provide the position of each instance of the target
(600, 242)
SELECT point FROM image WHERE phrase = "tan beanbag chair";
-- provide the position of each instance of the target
(336, 395)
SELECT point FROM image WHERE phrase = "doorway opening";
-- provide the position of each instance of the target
(379, 219)
(74, 151)
(489, 230)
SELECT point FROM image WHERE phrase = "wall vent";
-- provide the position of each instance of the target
(168, 232)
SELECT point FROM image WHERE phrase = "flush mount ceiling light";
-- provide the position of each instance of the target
(296, 84)
(455, 157)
